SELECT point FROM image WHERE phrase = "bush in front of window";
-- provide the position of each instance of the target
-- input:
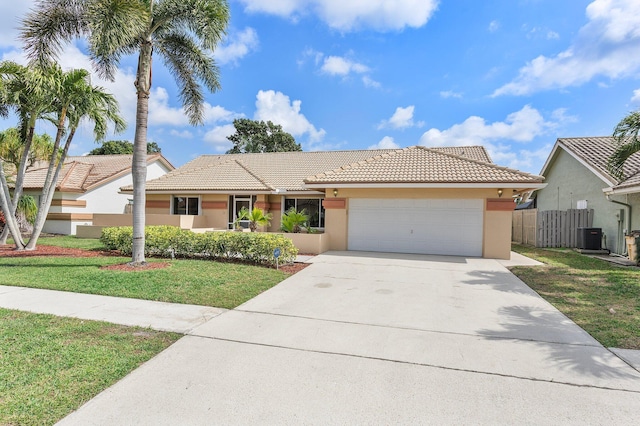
(170, 241)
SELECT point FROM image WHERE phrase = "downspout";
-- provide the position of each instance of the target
(628, 206)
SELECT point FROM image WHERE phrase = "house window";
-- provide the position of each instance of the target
(186, 205)
(312, 207)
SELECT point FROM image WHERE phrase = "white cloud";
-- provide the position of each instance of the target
(385, 143)
(606, 46)
(12, 12)
(382, 15)
(552, 35)
(402, 118)
(636, 96)
(520, 126)
(162, 114)
(278, 108)
(369, 82)
(184, 134)
(337, 65)
(237, 46)
(217, 137)
(494, 26)
(450, 94)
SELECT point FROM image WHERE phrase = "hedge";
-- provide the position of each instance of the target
(168, 241)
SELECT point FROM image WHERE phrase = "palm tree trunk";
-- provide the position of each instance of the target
(48, 191)
(9, 218)
(139, 162)
(17, 189)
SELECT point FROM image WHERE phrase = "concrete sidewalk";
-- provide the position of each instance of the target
(161, 316)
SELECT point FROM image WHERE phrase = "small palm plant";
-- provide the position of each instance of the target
(293, 221)
(256, 217)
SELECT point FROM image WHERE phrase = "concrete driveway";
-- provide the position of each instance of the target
(363, 338)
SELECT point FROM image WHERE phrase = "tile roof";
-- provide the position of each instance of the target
(81, 173)
(418, 164)
(288, 170)
(595, 151)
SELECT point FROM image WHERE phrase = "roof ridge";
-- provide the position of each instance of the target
(255, 175)
(391, 153)
(473, 160)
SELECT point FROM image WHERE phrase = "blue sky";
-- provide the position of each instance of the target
(512, 75)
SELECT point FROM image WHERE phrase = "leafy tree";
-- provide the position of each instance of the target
(182, 32)
(626, 135)
(12, 147)
(122, 147)
(258, 136)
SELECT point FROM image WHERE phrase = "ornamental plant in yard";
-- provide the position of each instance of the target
(168, 241)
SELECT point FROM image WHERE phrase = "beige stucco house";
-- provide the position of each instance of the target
(451, 201)
(88, 185)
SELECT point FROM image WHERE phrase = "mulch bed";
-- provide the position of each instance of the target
(10, 251)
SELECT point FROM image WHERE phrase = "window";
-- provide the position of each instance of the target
(312, 207)
(186, 205)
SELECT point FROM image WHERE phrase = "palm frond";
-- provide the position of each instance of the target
(116, 28)
(190, 65)
(49, 25)
(206, 19)
(626, 135)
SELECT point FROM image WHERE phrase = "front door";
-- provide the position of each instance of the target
(238, 204)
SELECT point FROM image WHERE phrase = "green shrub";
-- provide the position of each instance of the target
(165, 241)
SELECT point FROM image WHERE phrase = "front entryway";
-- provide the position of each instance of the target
(422, 226)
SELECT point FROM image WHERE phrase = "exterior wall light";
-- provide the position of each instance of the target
(335, 192)
(499, 193)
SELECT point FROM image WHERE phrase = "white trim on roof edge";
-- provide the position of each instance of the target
(592, 169)
(621, 191)
(428, 185)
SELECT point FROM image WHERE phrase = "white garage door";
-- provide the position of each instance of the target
(426, 226)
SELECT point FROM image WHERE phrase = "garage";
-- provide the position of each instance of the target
(422, 226)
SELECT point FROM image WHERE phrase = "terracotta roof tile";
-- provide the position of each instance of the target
(288, 170)
(596, 151)
(422, 165)
(80, 173)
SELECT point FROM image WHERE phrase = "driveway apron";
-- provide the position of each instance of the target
(365, 338)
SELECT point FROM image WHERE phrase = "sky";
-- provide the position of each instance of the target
(511, 75)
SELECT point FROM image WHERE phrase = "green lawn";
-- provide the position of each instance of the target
(49, 366)
(198, 282)
(602, 298)
(70, 241)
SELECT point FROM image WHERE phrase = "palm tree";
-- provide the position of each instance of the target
(76, 99)
(626, 135)
(182, 32)
(26, 91)
(293, 221)
(256, 217)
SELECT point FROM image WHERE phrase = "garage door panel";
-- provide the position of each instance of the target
(427, 226)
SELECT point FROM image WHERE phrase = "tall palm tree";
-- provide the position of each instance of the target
(76, 99)
(626, 135)
(26, 91)
(182, 32)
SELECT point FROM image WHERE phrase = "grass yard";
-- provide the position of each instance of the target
(70, 241)
(601, 298)
(49, 366)
(198, 282)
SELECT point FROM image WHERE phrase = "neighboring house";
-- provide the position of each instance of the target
(88, 185)
(577, 177)
(451, 201)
